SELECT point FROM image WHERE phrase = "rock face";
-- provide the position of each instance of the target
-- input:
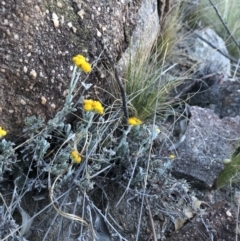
(209, 140)
(197, 57)
(223, 99)
(37, 42)
(145, 33)
(208, 57)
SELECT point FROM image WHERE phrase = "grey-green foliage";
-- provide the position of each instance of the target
(231, 172)
(8, 157)
(33, 125)
(7, 224)
(61, 162)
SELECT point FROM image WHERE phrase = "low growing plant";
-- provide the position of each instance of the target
(147, 76)
(231, 172)
(64, 157)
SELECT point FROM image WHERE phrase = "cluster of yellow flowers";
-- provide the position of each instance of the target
(93, 105)
(134, 121)
(2, 132)
(81, 63)
(75, 156)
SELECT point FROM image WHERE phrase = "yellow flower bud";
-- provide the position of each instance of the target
(81, 63)
(134, 121)
(88, 102)
(86, 67)
(99, 110)
(172, 156)
(75, 157)
(93, 105)
(78, 60)
(87, 107)
(2, 132)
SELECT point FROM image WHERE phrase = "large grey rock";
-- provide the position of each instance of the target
(209, 140)
(208, 57)
(223, 99)
(145, 33)
(196, 57)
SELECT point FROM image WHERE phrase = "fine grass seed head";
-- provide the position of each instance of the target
(146, 77)
(146, 82)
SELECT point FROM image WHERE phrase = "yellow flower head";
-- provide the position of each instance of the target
(93, 105)
(99, 110)
(87, 105)
(2, 132)
(81, 63)
(78, 59)
(171, 156)
(86, 67)
(97, 106)
(75, 157)
(88, 102)
(158, 130)
(134, 121)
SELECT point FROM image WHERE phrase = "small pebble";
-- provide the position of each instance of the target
(43, 100)
(55, 20)
(81, 13)
(5, 22)
(53, 106)
(11, 111)
(33, 74)
(69, 25)
(99, 34)
(59, 4)
(229, 213)
(37, 8)
(74, 29)
(25, 69)
(16, 37)
(26, 18)
(23, 102)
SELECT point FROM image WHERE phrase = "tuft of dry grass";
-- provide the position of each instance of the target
(146, 78)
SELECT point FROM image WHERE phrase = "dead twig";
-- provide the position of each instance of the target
(119, 82)
(151, 219)
(234, 60)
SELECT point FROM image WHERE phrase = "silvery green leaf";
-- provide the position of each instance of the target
(67, 129)
(33, 124)
(110, 152)
(86, 86)
(26, 221)
(101, 119)
(155, 132)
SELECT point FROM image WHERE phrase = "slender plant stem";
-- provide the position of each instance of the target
(234, 60)
(224, 24)
(118, 79)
